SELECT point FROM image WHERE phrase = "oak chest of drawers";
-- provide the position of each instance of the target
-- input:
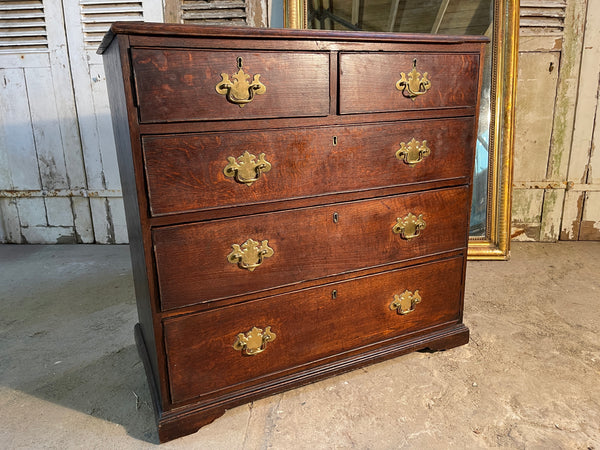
(297, 203)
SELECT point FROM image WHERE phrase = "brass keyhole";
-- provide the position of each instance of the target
(239, 62)
(336, 217)
(334, 141)
(334, 294)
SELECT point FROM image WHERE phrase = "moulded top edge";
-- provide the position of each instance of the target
(181, 30)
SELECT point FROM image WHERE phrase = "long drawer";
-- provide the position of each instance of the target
(202, 171)
(380, 82)
(186, 85)
(206, 353)
(225, 258)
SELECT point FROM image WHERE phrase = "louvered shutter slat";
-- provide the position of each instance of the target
(29, 24)
(117, 10)
(109, 19)
(18, 5)
(105, 3)
(209, 14)
(21, 14)
(20, 33)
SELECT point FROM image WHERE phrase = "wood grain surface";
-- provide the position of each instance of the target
(179, 85)
(368, 81)
(309, 325)
(192, 260)
(329, 123)
(185, 172)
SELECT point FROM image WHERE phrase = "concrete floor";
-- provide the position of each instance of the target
(70, 376)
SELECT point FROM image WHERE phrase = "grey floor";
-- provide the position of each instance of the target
(70, 376)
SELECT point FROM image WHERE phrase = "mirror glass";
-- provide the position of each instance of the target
(457, 17)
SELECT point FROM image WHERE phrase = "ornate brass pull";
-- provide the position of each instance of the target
(412, 153)
(254, 341)
(413, 85)
(405, 302)
(410, 226)
(245, 169)
(250, 254)
(240, 91)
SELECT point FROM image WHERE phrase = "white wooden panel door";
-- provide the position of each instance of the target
(40, 152)
(581, 210)
(58, 171)
(86, 22)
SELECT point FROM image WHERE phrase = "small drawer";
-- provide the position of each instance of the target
(375, 82)
(211, 351)
(175, 85)
(202, 171)
(201, 262)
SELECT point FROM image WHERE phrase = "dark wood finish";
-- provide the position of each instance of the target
(187, 419)
(123, 127)
(206, 364)
(192, 259)
(185, 172)
(163, 31)
(179, 85)
(368, 81)
(174, 133)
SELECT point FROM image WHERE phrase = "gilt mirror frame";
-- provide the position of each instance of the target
(495, 243)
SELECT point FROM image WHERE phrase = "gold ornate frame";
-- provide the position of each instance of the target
(495, 245)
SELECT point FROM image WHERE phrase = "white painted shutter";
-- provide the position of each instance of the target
(542, 17)
(86, 22)
(98, 15)
(40, 150)
(217, 12)
(22, 26)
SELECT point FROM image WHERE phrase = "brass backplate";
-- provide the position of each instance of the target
(254, 341)
(409, 227)
(413, 84)
(246, 169)
(405, 302)
(240, 91)
(414, 152)
(250, 254)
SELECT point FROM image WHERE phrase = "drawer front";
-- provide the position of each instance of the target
(181, 85)
(307, 325)
(225, 258)
(368, 81)
(203, 171)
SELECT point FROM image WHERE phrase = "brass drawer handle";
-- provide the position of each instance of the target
(254, 341)
(414, 152)
(246, 169)
(410, 226)
(239, 91)
(413, 85)
(250, 254)
(405, 302)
